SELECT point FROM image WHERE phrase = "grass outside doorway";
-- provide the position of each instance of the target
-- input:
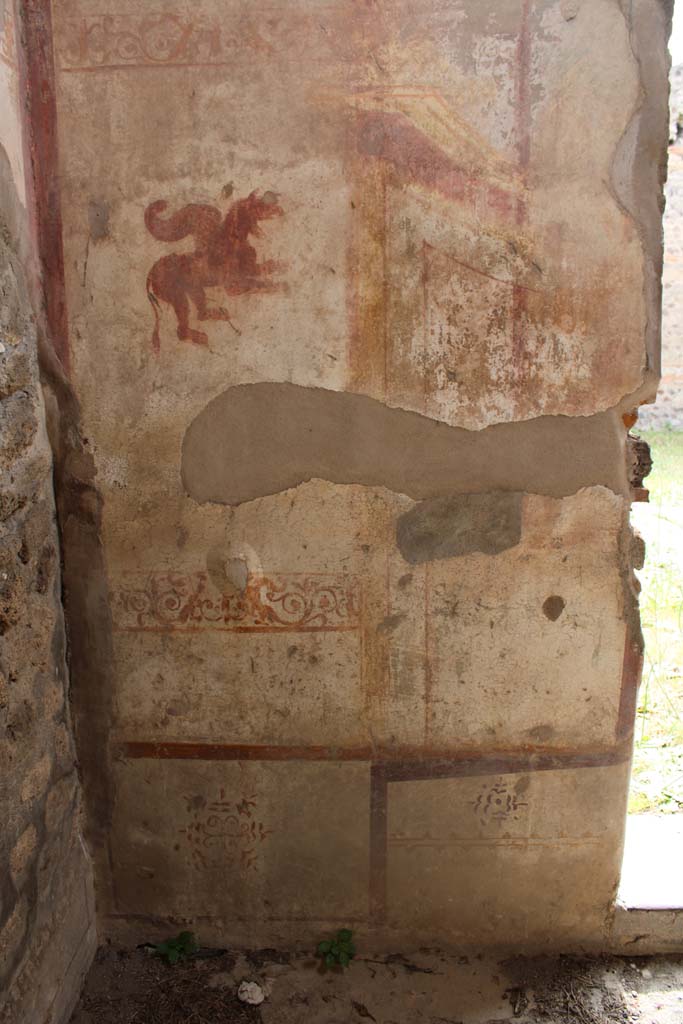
(657, 777)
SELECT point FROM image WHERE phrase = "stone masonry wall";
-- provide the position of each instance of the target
(47, 929)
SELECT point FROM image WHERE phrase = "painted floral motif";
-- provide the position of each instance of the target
(498, 802)
(107, 40)
(99, 41)
(296, 602)
(224, 826)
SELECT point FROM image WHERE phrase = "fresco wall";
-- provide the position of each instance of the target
(355, 297)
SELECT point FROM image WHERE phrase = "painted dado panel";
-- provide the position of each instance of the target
(355, 300)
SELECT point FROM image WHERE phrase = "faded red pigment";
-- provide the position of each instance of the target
(223, 257)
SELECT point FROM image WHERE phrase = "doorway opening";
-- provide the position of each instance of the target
(651, 876)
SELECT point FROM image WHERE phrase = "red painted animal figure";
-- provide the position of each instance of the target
(223, 257)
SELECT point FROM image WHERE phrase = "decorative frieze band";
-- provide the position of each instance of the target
(305, 602)
(120, 41)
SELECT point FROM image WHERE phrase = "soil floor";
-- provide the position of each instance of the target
(135, 987)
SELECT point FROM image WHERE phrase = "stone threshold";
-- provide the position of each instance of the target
(649, 914)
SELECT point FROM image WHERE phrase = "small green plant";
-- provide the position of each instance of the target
(179, 948)
(339, 951)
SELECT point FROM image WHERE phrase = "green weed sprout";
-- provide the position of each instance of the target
(179, 948)
(339, 951)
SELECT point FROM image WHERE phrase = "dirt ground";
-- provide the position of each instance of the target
(135, 987)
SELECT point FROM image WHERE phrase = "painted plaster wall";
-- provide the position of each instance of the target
(47, 919)
(358, 295)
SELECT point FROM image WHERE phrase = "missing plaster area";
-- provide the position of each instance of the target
(255, 440)
(460, 525)
(553, 607)
(228, 575)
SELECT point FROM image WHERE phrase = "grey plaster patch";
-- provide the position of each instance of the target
(390, 622)
(254, 440)
(460, 525)
(98, 219)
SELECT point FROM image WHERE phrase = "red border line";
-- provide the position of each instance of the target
(378, 844)
(37, 81)
(211, 628)
(181, 751)
(630, 682)
(382, 772)
(523, 90)
(172, 65)
(503, 764)
(523, 127)
(508, 282)
(404, 764)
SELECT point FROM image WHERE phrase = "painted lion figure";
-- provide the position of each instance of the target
(223, 257)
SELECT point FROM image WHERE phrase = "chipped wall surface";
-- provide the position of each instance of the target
(357, 295)
(47, 927)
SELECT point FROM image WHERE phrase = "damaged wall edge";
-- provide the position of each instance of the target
(85, 598)
(639, 168)
(47, 926)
